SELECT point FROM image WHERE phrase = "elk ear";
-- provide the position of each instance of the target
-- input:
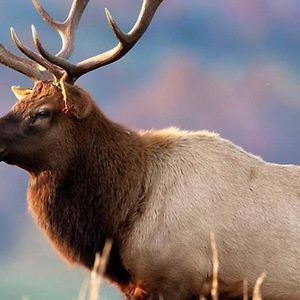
(20, 92)
(79, 101)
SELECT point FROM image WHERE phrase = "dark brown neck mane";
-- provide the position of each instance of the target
(97, 195)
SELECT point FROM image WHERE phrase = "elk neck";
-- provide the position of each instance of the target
(96, 194)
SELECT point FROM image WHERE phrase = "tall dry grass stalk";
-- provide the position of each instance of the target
(245, 290)
(257, 286)
(92, 287)
(214, 250)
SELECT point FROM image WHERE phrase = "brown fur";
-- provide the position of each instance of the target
(87, 187)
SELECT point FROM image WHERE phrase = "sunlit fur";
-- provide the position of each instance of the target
(158, 195)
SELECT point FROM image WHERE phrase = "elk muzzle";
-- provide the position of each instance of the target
(9, 133)
(2, 152)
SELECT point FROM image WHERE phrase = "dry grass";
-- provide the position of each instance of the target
(256, 291)
(245, 290)
(90, 289)
(214, 285)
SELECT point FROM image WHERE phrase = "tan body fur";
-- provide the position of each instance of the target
(202, 183)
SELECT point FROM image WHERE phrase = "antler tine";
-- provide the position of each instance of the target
(67, 28)
(34, 68)
(57, 61)
(24, 66)
(126, 42)
(56, 71)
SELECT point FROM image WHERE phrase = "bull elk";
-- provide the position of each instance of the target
(156, 194)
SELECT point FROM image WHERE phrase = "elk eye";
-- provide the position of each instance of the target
(43, 114)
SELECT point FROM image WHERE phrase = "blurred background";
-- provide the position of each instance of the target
(229, 66)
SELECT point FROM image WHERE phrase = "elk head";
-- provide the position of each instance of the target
(54, 110)
(39, 122)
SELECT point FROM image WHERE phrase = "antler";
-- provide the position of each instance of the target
(57, 64)
(67, 28)
(24, 66)
(126, 42)
(32, 68)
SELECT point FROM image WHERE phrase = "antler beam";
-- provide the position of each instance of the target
(22, 65)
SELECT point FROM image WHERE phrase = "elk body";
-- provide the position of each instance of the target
(156, 194)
